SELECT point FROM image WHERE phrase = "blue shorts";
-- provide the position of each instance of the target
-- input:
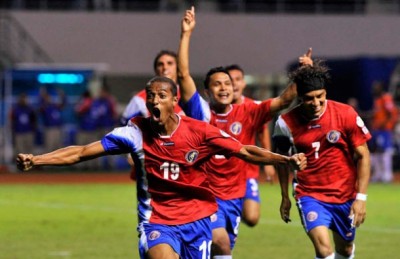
(192, 240)
(252, 191)
(228, 216)
(315, 213)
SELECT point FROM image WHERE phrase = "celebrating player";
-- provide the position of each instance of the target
(331, 192)
(227, 175)
(174, 199)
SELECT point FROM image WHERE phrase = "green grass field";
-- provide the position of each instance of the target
(99, 221)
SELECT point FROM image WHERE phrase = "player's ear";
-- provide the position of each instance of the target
(175, 100)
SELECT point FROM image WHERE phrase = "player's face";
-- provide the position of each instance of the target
(314, 103)
(160, 101)
(220, 89)
(166, 66)
(238, 84)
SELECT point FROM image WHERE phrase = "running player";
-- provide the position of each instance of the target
(227, 176)
(331, 192)
(174, 199)
(251, 203)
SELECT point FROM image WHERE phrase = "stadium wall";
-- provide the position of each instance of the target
(260, 43)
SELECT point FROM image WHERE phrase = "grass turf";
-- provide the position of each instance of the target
(99, 221)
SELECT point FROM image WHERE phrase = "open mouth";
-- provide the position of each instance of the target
(156, 114)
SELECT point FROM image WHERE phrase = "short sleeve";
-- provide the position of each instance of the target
(122, 140)
(282, 137)
(197, 108)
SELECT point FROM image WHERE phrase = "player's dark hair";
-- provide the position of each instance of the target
(162, 53)
(310, 78)
(162, 79)
(234, 67)
(212, 71)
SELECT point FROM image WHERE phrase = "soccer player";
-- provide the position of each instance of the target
(164, 64)
(251, 203)
(227, 175)
(331, 192)
(174, 199)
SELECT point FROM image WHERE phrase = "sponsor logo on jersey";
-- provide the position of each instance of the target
(191, 156)
(154, 235)
(167, 143)
(333, 136)
(236, 128)
(316, 126)
(221, 120)
(312, 216)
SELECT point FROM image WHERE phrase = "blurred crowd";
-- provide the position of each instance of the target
(96, 116)
(43, 126)
(384, 123)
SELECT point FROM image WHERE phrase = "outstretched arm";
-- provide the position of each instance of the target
(257, 155)
(186, 83)
(287, 96)
(63, 156)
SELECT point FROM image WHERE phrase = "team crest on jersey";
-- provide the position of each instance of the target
(213, 217)
(236, 128)
(154, 235)
(333, 136)
(191, 156)
(312, 216)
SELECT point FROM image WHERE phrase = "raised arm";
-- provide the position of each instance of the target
(186, 83)
(63, 156)
(284, 100)
(257, 155)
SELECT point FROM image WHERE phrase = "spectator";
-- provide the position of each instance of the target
(51, 114)
(384, 117)
(86, 127)
(23, 120)
(104, 109)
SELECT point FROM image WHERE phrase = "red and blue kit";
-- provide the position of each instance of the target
(328, 143)
(228, 175)
(172, 185)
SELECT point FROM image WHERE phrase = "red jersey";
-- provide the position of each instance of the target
(172, 185)
(253, 170)
(243, 121)
(328, 143)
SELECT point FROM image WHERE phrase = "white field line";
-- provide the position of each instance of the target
(60, 253)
